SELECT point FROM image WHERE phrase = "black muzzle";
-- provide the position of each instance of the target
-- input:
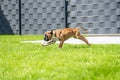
(46, 38)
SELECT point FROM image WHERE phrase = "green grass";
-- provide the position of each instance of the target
(27, 61)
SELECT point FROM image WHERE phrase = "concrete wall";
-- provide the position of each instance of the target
(38, 16)
(102, 16)
(9, 17)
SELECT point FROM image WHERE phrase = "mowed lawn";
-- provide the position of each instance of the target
(28, 61)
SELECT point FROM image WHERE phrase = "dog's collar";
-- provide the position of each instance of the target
(53, 33)
(54, 36)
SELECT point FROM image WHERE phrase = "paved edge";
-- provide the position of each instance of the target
(101, 35)
(92, 40)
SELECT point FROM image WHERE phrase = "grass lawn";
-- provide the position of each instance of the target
(28, 61)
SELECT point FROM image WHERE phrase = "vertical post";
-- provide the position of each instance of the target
(66, 14)
(20, 31)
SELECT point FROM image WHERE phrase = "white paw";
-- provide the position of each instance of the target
(44, 44)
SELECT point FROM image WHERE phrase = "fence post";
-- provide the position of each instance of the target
(20, 31)
(66, 13)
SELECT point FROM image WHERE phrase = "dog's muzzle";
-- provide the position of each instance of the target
(46, 38)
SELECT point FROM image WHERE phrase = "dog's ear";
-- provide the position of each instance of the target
(51, 32)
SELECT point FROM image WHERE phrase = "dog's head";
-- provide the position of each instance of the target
(48, 35)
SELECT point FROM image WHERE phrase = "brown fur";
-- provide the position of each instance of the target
(64, 34)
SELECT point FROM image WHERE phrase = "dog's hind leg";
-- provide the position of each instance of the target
(83, 39)
(61, 44)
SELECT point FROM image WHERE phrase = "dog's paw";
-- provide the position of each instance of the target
(44, 44)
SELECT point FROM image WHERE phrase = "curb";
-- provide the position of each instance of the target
(101, 35)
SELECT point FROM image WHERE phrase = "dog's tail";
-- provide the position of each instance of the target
(83, 29)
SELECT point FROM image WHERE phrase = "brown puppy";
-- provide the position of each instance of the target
(63, 34)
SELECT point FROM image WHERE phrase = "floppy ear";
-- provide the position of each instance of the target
(51, 32)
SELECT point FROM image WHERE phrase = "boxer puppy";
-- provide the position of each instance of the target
(63, 34)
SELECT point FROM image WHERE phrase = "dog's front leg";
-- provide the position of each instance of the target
(49, 43)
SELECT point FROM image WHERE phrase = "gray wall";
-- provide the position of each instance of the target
(38, 16)
(102, 16)
(9, 17)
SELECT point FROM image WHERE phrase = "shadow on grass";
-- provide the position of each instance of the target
(79, 46)
(65, 47)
